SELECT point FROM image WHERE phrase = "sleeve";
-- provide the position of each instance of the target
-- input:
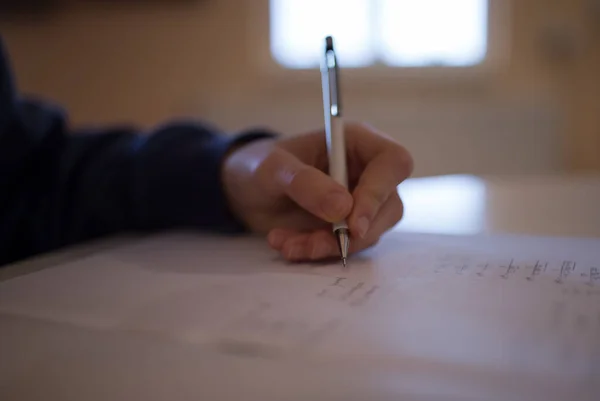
(59, 187)
(169, 177)
(67, 187)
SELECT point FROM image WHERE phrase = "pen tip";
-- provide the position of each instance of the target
(328, 43)
(343, 243)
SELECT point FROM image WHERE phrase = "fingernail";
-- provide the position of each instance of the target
(320, 250)
(335, 206)
(363, 226)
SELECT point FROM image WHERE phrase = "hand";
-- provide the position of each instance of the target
(279, 188)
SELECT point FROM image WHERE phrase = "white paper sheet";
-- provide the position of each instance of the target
(432, 316)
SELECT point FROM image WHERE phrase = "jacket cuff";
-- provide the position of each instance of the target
(179, 181)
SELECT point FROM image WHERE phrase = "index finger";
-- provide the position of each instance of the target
(282, 173)
(365, 143)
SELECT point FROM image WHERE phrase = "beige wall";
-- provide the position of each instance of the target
(577, 80)
(146, 63)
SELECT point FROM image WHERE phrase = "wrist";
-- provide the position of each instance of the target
(238, 165)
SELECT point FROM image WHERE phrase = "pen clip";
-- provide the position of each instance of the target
(331, 69)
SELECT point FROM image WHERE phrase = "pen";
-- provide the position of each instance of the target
(334, 132)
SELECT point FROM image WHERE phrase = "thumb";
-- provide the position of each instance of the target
(307, 186)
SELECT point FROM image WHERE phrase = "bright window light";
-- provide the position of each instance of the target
(299, 27)
(433, 32)
(453, 204)
(399, 33)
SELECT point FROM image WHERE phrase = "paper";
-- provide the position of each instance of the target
(497, 316)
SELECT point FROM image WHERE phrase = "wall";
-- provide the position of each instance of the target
(577, 79)
(146, 64)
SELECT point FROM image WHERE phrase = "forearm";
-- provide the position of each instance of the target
(167, 178)
(88, 185)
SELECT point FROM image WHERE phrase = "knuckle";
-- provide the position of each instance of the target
(380, 196)
(269, 163)
(354, 125)
(266, 173)
(374, 197)
(409, 162)
(276, 173)
(363, 126)
(298, 178)
(401, 161)
(360, 127)
(397, 209)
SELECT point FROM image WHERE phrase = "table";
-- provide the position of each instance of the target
(550, 205)
(65, 360)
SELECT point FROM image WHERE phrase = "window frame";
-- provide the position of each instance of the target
(259, 54)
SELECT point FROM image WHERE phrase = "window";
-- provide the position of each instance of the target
(396, 33)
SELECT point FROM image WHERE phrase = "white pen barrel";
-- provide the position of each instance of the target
(337, 157)
(337, 152)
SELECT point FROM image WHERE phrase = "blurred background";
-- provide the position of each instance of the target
(498, 100)
(476, 87)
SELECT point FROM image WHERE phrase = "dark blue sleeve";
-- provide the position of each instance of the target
(59, 187)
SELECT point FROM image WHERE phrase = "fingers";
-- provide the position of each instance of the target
(296, 246)
(386, 163)
(283, 174)
(389, 215)
(365, 143)
(321, 244)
